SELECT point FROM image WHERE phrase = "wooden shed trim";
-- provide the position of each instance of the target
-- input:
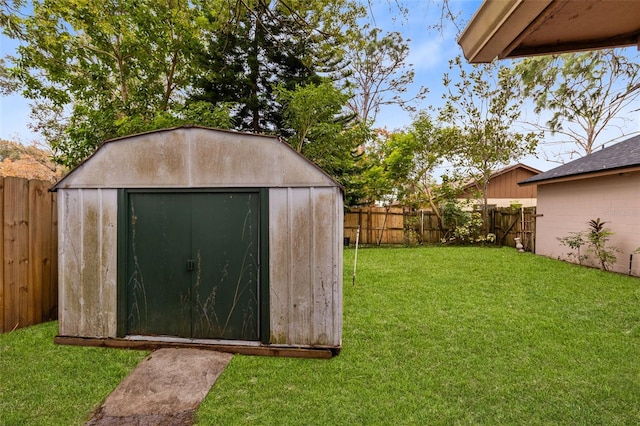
(158, 342)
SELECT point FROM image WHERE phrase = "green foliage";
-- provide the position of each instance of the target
(96, 65)
(480, 109)
(575, 240)
(595, 238)
(324, 135)
(464, 226)
(585, 92)
(401, 164)
(312, 112)
(98, 70)
(267, 44)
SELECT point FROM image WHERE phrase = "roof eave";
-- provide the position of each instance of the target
(580, 176)
(495, 25)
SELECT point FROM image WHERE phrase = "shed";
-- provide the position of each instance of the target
(603, 184)
(194, 236)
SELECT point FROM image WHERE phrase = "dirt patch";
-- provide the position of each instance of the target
(166, 388)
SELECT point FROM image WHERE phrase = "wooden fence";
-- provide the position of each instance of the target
(29, 269)
(395, 225)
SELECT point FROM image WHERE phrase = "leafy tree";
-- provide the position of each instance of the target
(311, 111)
(479, 111)
(585, 92)
(398, 165)
(97, 66)
(323, 134)
(8, 15)
(402, 163)
(378, 73)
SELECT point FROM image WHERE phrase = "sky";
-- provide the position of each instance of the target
(430, 52)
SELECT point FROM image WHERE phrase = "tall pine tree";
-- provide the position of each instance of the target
(266, 44)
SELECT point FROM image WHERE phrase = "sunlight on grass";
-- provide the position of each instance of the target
(456, 336)
(45, 384)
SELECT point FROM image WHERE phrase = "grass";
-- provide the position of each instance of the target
(456, 336)
(431, 336)
(46, 384)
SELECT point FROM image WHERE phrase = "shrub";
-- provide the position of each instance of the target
(595, 238)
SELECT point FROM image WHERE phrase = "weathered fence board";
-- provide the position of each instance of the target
(378, 225)
(507, 224)
(28, 291)
(381, 226)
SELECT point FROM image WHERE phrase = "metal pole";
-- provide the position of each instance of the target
(355, 257)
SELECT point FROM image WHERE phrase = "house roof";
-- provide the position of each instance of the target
(516, 28)
(614, 159)
(506, 170)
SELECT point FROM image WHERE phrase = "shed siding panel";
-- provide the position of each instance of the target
(323, 252)
(305, 243)
(302, 265)
(568, 206)
(108, 262)
(338, 215)
(279, 273)
(69, 255)
(88, 263)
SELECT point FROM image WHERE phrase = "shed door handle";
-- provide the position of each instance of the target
(190, 265)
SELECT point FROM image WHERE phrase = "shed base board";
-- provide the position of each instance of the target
(151, 344)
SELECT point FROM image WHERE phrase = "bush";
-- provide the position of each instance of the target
(595, 239)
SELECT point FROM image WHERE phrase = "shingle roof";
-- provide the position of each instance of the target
(619, 156)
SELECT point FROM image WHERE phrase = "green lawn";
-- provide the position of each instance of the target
(431, 336)
(46, 384)
(456, 336)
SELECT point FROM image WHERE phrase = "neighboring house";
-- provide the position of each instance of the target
(503, 189)
(605, 185)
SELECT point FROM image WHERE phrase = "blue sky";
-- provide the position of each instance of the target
(430, 52)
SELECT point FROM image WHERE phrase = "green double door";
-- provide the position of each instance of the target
(193, 264)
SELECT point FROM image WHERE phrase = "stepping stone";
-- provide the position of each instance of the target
(166, 388)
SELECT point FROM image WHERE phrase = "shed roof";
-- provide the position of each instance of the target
(195, 157)
(623, 156)
(515, 28)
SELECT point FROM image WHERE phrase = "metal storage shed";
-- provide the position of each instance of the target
(201, 237)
